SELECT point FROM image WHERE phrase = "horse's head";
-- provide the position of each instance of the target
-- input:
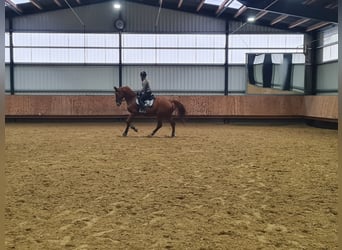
(118, 96)
(124, 93)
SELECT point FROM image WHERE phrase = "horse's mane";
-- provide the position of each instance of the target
(128, 90)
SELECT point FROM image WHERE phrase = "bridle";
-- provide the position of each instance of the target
(119, 101)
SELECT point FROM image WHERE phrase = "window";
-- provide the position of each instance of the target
(150, 48)
(330, 44)
(298, 59)
(330, 53)
(7, 50)
(240, 45)
(65, 48)
(173, 49)
(330, 36)
(7, 40)
(20, 1)
(230, 4)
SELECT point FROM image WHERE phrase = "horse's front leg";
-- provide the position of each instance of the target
(159, 125)
(128, 125)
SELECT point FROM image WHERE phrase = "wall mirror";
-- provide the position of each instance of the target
(275, 73)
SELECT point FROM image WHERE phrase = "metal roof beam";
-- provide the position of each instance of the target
(13, 7)
(261, 14)
(317, 26)
(331, 6)
(58, 3)
(200, 5)
(240, 11)
(180, 4)
(298, 22)
(308, 2)
(279, 19)
(221, 8)
(295, 8)
(36, 4)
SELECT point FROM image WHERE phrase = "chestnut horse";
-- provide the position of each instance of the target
(162, 108)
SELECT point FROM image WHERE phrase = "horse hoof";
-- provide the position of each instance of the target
(150, 135)
(124, 134)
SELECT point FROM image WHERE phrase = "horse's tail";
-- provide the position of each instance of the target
(180, 108)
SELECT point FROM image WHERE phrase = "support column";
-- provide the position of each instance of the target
(340, 119)
(226, 77)
(2, 124)
(310, 50)
(120, 59)
(12, 87)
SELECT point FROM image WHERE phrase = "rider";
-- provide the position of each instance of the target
(145, 93)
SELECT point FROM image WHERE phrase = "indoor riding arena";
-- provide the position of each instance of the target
(251, 163)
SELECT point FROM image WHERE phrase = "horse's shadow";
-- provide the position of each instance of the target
(146, 136)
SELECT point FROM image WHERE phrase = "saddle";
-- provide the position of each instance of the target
(147, 103)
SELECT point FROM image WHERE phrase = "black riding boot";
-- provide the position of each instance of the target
(141, 106)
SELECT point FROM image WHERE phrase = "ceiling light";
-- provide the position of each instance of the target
(117, 6)
(251, 19)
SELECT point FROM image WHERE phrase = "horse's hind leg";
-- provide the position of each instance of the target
(173, 126)
(159, 125)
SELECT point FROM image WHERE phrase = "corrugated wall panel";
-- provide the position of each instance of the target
(249, 28)
(327, 77)
(297, 77)
(6, 25)
(192, 79)
(136, 21)
(177, 78)
(169, 20)
(96, 17)
(65, 78)
(237, 81)
(139, 18)
(133, 14)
